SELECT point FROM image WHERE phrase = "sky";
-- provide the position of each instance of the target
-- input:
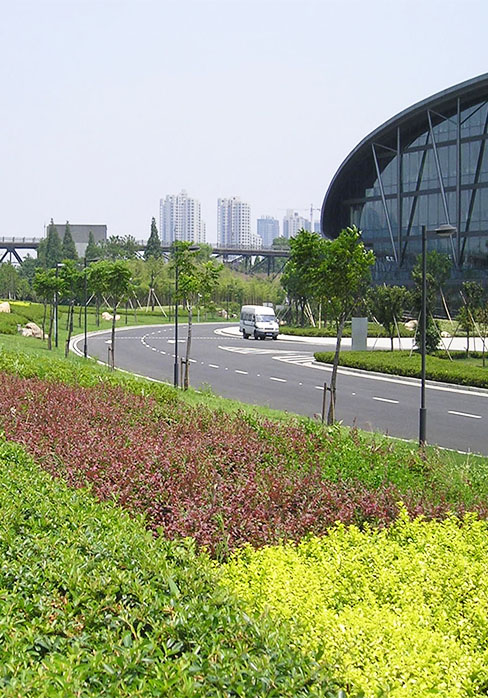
(107, 106)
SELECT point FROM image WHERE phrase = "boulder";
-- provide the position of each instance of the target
(107, 316)
(411, 325)
(26, 332)
(445, 335)
(5, 307)
(35, 330)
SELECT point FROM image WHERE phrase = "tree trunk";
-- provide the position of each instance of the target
(44, 321)
(333, 378)
(186, 380)
(51, 323)
(467, 343)
(71, 312)
(391, 342)
(112, 343)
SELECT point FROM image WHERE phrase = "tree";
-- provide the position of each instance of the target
(72, 279)
(386, 304)
(472, 295)
(115, 280)
(9, 281)
(53, 251)
(153, 247)
(195, 281)
(92, 250)
(482, 320)
(438, 269)
(68, 248)
(342, 276)
(46, 286)
(439, 266)
(307, 251)
(117, 247)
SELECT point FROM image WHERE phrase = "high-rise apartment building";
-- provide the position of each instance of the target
(234, 223)
(293, 222)
(268, 228)
(180, 219)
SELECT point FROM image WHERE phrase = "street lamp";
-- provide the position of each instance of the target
(175, 368)
(445, 230)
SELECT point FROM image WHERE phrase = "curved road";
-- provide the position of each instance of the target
(284, 375)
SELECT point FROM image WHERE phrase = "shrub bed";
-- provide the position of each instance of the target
(223, 479)
(399, 612)
(93, 605)
(374, 330)
(401, 363)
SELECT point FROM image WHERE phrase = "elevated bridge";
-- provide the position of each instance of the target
(12, 246)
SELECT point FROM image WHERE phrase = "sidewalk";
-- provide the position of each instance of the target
(406, 343)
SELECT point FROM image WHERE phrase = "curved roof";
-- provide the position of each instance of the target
(412, 124)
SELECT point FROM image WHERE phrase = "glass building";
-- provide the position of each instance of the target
(426, 166)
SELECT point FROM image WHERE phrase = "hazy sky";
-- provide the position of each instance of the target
(109, 105)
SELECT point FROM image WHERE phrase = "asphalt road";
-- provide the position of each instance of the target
(282, 374)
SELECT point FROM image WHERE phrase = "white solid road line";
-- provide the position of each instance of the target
(280, 380)
(465, 414)
(385, 399)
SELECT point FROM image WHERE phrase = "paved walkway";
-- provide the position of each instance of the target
(449, 343)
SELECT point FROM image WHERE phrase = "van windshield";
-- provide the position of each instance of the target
(265, 318)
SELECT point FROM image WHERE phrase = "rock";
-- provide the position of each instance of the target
(36, 331)
(5, 307)
(445, 334)
(26, 332)
(411, 325)
(107, 316)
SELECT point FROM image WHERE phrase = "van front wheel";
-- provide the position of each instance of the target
(245, 335)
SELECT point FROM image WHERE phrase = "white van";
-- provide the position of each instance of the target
(259, 321)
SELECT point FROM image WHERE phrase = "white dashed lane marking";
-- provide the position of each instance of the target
(385, 399)
(280, 380)
(244, 373)
(465, 414)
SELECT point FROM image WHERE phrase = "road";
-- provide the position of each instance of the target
(282, 374)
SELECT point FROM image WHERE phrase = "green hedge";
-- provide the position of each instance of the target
(94, 605)
(401, 363)
(374, 330)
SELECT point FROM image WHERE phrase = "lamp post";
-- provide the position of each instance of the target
(175, 368)
(85, 302)
(446, 230)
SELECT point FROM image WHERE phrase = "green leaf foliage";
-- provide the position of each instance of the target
(402, 363)
(398, 612)
(94, 605)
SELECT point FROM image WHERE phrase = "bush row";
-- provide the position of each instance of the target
(94, 605)
(374, 330)
(402, 363)
(399, 612)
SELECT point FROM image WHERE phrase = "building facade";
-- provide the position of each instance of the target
(293, 222)
(180, 219)
(234, 224)
(427, 166)
(268, 228)
(81, 233)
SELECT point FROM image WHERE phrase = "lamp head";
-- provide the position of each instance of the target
(445, 231)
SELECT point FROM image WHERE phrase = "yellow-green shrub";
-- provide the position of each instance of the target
(401, 612)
